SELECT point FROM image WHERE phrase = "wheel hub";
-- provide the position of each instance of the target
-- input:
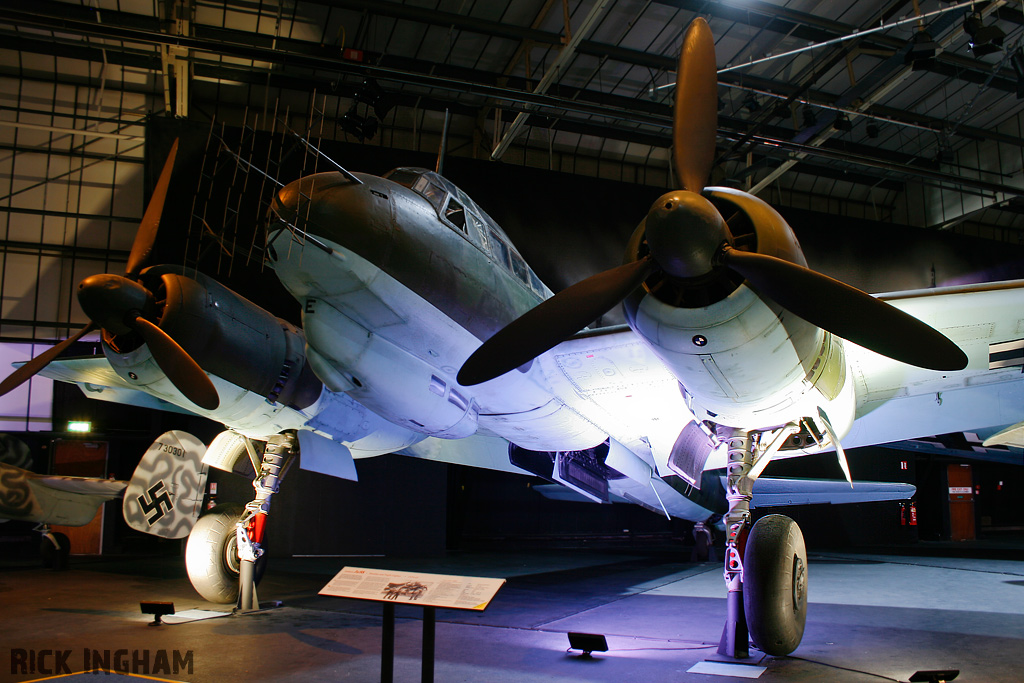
(799, 582)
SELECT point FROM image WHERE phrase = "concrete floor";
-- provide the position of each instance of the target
(871, 617)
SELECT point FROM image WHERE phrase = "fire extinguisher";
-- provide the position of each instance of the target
(913, 513)
(903, 514)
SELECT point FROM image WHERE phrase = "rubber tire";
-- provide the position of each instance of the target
(775, 584)
(55, 558)
(211, 556)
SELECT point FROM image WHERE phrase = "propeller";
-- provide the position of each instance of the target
(118, 304)
(688, 238)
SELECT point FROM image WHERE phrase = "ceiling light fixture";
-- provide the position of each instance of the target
(810, 120)
(984, 40)
(923, 47)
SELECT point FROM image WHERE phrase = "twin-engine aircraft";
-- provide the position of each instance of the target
(735, 354)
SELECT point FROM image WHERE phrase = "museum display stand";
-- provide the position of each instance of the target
(428, 591)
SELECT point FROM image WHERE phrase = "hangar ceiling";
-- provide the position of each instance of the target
(848, 102)
(907, 112)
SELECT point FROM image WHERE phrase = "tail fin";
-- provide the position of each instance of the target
(165, 495)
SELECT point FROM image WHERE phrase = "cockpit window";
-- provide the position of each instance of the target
(434, 193)
(478, 227)
(403, 177)
(455, 214)
(500, 250)
(456, 208)
(535, 282)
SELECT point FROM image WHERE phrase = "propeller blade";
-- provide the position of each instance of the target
(553, 321)
(29, 369)
(846, 311)
(844, 465)
(696, 107)
(179, 367)
(146, 236)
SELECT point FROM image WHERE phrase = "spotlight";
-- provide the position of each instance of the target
(922, 47)
(157, 609)
(810, 119)
(984, 39)
(781, 111)
(936, 676)
(361, 127)
(587, 643)
(375, 96)
(750, 103)
(843, 123)
(872, 130)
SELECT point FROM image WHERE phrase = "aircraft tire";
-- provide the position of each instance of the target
(211, 555)
(775, 584)
(53, 557)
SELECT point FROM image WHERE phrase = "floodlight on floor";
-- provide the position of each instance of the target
(935, 676)
(587, 643)
(158, 610)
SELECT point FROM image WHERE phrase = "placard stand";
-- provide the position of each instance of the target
(428, 591)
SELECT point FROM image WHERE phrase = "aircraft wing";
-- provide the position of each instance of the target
(108, 488)
(778, 491)
(896, 401)
(487, 452)
(97, 380)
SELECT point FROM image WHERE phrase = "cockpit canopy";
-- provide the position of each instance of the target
(461, 213)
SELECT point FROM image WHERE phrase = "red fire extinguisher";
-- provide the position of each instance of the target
(913, 513)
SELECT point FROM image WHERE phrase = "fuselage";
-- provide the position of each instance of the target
(400, 278)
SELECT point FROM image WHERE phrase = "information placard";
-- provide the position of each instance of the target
(414, 588)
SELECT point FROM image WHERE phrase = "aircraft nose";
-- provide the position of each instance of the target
(331, 206)
(312, 200)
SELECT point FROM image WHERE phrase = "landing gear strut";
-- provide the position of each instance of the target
(765, 564)
(224, 556)
(251, 528)
(739, 486)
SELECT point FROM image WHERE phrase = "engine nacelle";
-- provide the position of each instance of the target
(749, 360)
(230, 337)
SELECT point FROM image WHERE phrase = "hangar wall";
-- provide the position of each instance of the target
(71, 196)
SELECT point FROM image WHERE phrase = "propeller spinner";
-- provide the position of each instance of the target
(688, 238)
(120, 304)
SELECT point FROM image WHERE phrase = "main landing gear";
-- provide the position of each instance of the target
(765, 565)
(224, 556)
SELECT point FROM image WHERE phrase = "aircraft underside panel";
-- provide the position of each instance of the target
(897, 401)
(551, 427)
(907, 417)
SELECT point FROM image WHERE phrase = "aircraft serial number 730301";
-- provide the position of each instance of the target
(735, 354)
